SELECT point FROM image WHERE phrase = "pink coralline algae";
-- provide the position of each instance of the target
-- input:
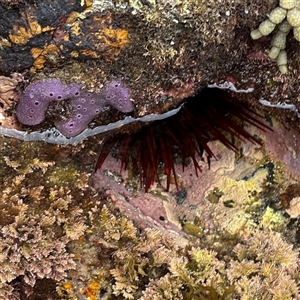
(85, 106)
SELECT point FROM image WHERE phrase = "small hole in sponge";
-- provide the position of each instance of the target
(36, 103)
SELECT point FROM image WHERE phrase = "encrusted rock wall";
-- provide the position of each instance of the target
(164, 50)
(61, 236)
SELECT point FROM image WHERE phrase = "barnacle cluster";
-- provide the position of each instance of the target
(287, 17)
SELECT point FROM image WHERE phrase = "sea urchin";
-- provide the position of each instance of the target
(211, 114)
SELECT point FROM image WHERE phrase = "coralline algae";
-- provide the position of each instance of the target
(85, 106)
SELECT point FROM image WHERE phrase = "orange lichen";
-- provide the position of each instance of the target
(67, 286)
(88, 4)
(47, 28)
(104, 35)
(91, 290)
(74, 53)
(116, 37)
(38, 63)
(94, 286)
(36, 52)
(72, 17)
(76, 28)
(96, 36)
(20, 35)
(39, 55)
(89, 52)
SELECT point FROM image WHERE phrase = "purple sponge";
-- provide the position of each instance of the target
(118, 96)
(88, 105)
(37, 96)
(85, 106)
(84, 109)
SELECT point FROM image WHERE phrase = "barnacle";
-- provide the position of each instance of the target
(287, 17)
(212, 114)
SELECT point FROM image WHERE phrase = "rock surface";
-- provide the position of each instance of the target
(164, 50)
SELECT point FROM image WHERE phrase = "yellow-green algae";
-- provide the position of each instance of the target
(39, 214)
(238, 255)
(149, 265)
(234, 259)
(273, 219)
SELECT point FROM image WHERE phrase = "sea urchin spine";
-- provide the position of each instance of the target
(211, 114)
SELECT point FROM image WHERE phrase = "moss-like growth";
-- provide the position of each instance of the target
(145, 264)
